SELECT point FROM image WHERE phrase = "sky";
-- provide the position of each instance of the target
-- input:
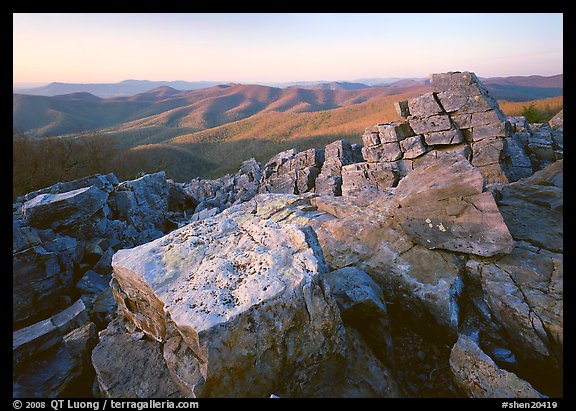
(281, 47)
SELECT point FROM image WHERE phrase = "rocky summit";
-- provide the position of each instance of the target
(426, 262)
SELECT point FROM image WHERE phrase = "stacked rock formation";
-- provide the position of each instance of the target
(457, 116)
(428, 262)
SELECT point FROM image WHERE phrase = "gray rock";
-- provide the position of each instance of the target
(93, 283)
(395, 131)
(412, 147)
(128, 366)
(443, 206)
(147, 203)
(488, 156)
(382, 152)
(424, 106)
(557, 122)
(64, 209)
(463, 83)
(105, 183)
(49, 356)
(479, 377)
(533, 208)
(519, 124)
(361, 176)
(496, 129)
(429, 124)
(402, 108)
(23, 236)
(517, 161)
(453, 136)
(357, 295)
(365, 375)
(336, 155)
(487, 117)
(37, 284)
(264, 308)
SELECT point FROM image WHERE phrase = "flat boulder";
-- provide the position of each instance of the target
(442, 206)
(63, 209)
(237, 301)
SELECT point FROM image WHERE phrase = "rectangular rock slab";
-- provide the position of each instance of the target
(412, 147)
(463, 83)
(487, 117)
(242, 292)
(363, 175)
(453, 136)
(396, 131)
(424, 106)
(371, 139)
(443, 206)
(64, 209)
(422, 125)
(382, 152)
(496, 129)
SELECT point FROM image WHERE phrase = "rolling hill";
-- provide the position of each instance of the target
(191, 111)
(209, 131)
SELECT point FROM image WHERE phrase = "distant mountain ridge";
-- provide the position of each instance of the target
(514, 88)
(121, 89)
(162, 104)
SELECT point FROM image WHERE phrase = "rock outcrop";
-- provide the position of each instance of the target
(478, 375)
(427, 261)
(239, 297)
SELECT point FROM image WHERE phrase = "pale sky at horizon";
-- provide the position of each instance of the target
(281, 47)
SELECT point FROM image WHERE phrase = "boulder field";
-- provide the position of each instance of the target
(426, 262)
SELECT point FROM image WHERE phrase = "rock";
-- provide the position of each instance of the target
(402, 108)
(557, 122)
(105, 183)
(479, 377)
(336, 155)
(103, 266)
(103, 308)
(487, 156)
(178, 198)
(263, 296)
(360, 176)
(519, 124)
(382, 152)
(395, 131)
(453, 136)
(495, 129)
(518, 164)
(130, 367)
(412, 147)
(542, 145)
(443, 206)
(37, 284)
(146, 202)
(292, 172)
(49, 356)
(92, 282)
(533, 208)
(29, 341)
(64, 209)
(366, 376)
(357, 295)
(424, 106)
(524, 293)
(429, 124)
(23, 236)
